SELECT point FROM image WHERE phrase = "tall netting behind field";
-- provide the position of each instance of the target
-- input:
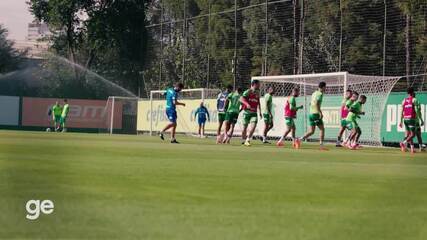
(120, 115)
(375, 88)
(208, 44)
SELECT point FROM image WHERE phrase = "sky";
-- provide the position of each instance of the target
(15, 16)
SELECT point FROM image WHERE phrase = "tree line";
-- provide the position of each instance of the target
(370, 37)
(144, 45)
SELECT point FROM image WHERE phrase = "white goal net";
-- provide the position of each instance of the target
(376, 88)
(120, 115)
(186, 121)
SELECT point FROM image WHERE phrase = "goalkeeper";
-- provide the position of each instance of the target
(202, 114)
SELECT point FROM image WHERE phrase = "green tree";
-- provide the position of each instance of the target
(10, 58)
(106, 36)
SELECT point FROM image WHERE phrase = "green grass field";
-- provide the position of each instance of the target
(137, 187)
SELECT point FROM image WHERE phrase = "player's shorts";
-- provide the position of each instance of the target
(231, 117)
(289, 122)
(267, 118)
(221, 116)
(249, 117)
(343, 122)
(315, 120)
(171, 114)
(410, 125)
(352, 125)
(63, 120)
(57, 118)
(201, 121)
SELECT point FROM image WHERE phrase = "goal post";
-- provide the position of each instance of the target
(186, 122)
(376, 88)
(120, 115)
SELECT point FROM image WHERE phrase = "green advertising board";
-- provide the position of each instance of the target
(390, 130)
(375, 124)
(379, 124)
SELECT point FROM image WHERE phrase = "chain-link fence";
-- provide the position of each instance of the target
(209, 44)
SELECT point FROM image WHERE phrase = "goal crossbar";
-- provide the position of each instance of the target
(293, 77)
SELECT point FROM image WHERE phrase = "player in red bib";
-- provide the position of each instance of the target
(251, 104)
(291, 110)
(345, 110)
(408, 118)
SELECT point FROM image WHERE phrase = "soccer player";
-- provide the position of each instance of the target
(291, 110)
(221, 108)
(408, 118)
(419, 122)
(171, 103)
(64, 115)
(251, 104)
(268, 114)
(56, 115)
(316, 115)
(232, 114)
(355, 111)
(345, 106)
(202, 114)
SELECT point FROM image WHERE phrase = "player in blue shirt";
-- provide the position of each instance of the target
(171, 103)
(221, 108)
(202, 114)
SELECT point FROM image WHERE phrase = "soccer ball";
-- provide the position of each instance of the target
(47, 129)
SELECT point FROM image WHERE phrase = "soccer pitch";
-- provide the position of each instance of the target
(137, 187)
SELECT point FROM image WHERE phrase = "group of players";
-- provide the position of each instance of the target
(231, 102)
(59, 114)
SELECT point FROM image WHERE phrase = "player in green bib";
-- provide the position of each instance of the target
(316, 115)
(233, 109)
(64, 115)
(345, 106)
(221, 109)
(356, 111)
(268, 113)
(419, 122)
(251, 104)
(56, 115)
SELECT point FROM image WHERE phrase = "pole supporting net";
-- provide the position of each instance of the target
(120, 114)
